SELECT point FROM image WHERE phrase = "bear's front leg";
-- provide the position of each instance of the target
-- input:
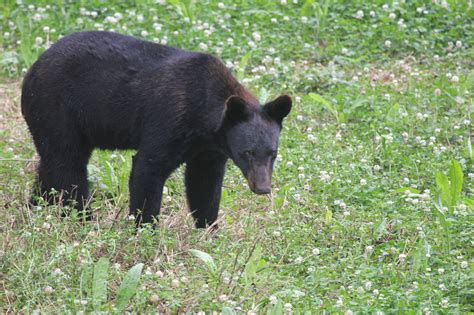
(203, 179)
(146, 187)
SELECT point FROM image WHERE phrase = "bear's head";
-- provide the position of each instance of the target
(251, 137)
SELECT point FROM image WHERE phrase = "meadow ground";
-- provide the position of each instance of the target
(372, 206)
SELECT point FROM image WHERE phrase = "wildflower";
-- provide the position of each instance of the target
(458, 44)
(360, 14)
(304, 19)
(39, 41)
(203, 46)
(288, 307)
(299, 260)
(464, 264)
(392, 16)
(223, 298)
(372, 13)
(316, 251)
(454, 79)
(57, 272)
(368, 285)
(48, 290)
(363, 182)
(444, 303)
(388, 44)
(256, 36)
(440, 271)
(221, 5)
(402, 257)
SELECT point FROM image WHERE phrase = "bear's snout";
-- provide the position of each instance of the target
(260, 180)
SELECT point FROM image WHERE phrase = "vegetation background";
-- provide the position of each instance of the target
(372, 207)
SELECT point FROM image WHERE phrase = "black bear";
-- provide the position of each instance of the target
(109, 91)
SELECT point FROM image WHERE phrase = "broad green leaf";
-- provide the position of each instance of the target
(444, 187)
(99, 283)
(129, 286)
(380, 230)
(206, 258)
(456, 176)
(328, 217)
(86, 280)
(306, 9)
(276, 309)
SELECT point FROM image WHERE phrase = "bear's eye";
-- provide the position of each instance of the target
(248, 154)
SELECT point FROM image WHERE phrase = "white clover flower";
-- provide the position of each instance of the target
(304, 19)
(175, 283)
(223, 298)
(372, 13)
(359, 15)
(464, 264)
(363, 182)
(444, 303)
(387, 44)
(316, 251)
(48, 289)
(221, 5)
(251, 44)
(256, 36)
(385, 7)
(288, 307)
(402, 257)
(39, 41)
(440, 271)
(144, 33)
(272, 299)
(368, 285)
(392, 16)
(298, 260)
(203, 46)
(283, 2)
(458, 44)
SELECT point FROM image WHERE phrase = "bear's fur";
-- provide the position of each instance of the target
(109, 91)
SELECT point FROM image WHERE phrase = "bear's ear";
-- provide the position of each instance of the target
(279, 108)
(236, 109)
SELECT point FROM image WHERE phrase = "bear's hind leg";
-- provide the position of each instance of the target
(203, 179)
(65, 171)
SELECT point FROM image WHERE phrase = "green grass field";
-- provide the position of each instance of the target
(372, 202)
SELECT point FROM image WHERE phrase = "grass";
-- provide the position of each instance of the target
(372, 208)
